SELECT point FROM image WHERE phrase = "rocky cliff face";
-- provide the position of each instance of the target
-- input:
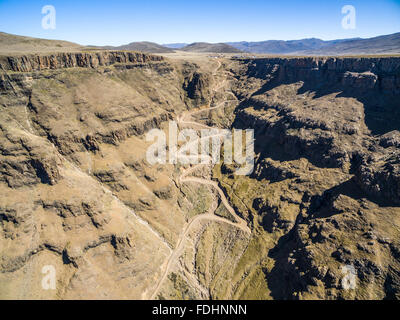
(338, 112)
(76, 190)
(28, 63)
(361, 73)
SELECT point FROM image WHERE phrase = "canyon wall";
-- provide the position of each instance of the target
(28, 63)
(326, 179)
(368, 73)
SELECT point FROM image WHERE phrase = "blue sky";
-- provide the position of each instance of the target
(120, 22)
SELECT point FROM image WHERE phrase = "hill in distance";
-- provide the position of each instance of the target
(10, 43)
(145, 46)
(282, 46)
(177, 45)
(386, 44)
(142, 46)
(210, 47)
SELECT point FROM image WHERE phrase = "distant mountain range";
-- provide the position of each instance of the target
(210, 47)
(285, 47)
(377, 45)
(387, 44)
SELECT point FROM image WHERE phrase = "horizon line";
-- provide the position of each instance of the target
(183, 42)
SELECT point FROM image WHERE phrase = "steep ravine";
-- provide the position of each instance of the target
(323, 195)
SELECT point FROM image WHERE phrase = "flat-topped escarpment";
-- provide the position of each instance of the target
(358, 72)
(28, 63)
(356, 64)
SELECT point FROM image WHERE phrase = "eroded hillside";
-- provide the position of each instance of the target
(77, 192)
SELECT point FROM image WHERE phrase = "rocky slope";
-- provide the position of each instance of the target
(76, 191)
(78, 194)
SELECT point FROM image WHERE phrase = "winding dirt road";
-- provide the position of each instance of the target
(186, 120)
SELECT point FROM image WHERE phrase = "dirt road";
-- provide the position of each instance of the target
(186, 120)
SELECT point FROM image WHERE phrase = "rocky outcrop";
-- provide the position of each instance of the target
(390, 139)
(380, 177)
(325, 131)
(28, 63)
(197, 85)
(321, 108)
